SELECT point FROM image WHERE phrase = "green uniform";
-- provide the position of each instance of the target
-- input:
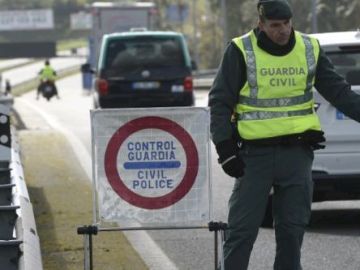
(284, 167)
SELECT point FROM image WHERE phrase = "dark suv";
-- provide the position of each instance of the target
(143, 69)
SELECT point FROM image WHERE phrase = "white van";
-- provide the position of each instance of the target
(336, 169)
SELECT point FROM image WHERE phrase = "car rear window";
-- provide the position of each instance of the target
(144, 52)
(347, 63)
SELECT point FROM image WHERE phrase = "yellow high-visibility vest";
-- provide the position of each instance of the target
(48, 73)
(277, 98)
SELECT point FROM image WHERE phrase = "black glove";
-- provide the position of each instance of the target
(230, 159)
(314, 138)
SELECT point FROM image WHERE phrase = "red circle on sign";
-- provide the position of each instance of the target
(117, 183)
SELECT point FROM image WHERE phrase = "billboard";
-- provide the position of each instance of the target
(80, 21)
(31, 19)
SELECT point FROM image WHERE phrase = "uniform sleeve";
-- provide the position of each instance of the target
(334, 88)
(224, 93)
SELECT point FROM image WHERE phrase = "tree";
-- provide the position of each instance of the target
(338, 15)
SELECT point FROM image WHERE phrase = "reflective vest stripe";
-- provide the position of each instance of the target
(251, 66)
(262, 115)
(276, 102)
(311, 62)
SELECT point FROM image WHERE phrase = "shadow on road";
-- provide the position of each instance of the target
(337, 222)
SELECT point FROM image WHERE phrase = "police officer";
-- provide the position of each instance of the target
(266, 81)
(48, 73)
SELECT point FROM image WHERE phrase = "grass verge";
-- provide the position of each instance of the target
(69, 44)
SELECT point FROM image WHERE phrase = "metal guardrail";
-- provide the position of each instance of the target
(203, 84)
(25, 228)
(203, 79)
(19, 242)
(203, 73)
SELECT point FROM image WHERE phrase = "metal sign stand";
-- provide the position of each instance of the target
(120, 130)
(215, 227)
(90, 230)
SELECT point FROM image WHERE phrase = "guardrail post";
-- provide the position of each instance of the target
(5, 138)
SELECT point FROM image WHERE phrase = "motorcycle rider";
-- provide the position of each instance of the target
(47, 74)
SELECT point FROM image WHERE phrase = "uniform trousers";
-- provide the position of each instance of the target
(286, 169)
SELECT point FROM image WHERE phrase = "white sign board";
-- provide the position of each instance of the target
(35, 19)
(80, 21)
(151, 166)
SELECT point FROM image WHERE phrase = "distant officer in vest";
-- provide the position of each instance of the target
(266, 81)
(47, 73)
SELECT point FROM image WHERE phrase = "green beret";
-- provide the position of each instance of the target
(274, 9)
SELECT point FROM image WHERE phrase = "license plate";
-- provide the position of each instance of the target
(146, 85)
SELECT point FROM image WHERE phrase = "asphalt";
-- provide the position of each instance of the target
(62, 200)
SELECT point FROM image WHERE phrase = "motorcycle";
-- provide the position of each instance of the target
(47, 89)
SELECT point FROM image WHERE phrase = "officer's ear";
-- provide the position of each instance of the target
(261, 25)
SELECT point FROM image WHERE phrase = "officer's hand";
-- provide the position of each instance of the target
(314, 138)
(230, 159)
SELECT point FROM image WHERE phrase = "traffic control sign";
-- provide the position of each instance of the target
(151, 165)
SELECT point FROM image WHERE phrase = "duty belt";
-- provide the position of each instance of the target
(311, 138)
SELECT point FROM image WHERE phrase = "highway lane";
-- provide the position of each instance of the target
(331, 243)
(30, 71)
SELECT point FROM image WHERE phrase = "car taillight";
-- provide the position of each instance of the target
(188, 83)
(102, 86)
